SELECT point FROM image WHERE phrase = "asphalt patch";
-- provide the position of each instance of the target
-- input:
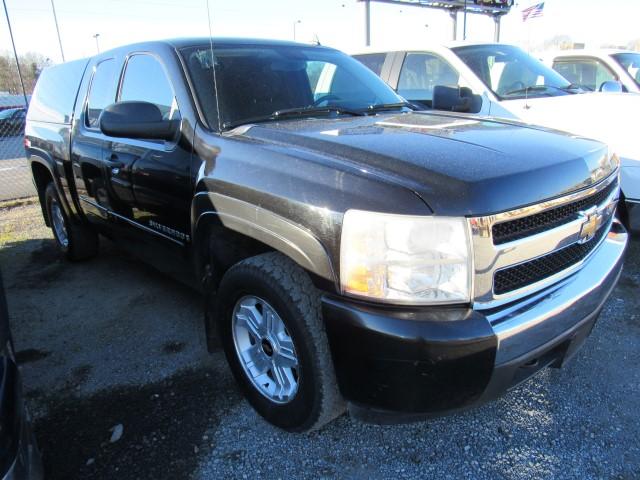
(164, 428)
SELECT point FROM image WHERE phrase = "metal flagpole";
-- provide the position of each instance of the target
(55, 19)
(464, 28)
(15, 53)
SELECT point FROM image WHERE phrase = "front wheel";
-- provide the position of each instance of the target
(77, 242)
(269, 318)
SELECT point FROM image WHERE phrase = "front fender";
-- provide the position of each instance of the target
(230, 214)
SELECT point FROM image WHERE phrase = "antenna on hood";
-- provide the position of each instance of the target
(213, 68)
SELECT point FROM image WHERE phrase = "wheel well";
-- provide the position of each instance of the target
(221, 248)
(42, 177)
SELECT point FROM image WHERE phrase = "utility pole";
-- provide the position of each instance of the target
(15, 53)
(97, 45)
(55, 19)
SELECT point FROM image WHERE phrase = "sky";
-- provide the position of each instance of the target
(337, 23)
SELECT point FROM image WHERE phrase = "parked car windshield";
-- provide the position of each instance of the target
(8, 113)
(511, 73)
(631, 63)
(254, 81)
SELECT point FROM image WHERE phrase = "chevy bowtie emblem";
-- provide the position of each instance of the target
(591, 221)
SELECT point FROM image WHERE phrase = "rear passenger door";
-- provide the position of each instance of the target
(420, 73)
(378, 63)
(87, 147)
(150, 179)
(587, 72)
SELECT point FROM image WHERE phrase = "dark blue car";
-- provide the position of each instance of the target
(19, 454)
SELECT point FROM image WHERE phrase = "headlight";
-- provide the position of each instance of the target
(405, 259)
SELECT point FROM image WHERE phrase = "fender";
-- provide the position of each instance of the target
(43, 159)
(262, 225)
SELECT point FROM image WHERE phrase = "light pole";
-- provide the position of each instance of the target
(295, 24)
(55, 19)
(97, 44)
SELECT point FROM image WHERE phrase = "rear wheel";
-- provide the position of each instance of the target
(77, 242)
(269, 318)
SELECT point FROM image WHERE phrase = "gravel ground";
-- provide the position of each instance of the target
(111, 350)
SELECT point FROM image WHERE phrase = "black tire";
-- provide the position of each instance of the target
(82, 242)
(289, 290)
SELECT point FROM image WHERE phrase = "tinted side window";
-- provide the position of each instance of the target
(423, 71)
(103, 90)
(373, 61)
(55, 94)
(146, 81)
(588, 73)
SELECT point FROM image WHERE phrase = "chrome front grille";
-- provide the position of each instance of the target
(524, 250)
(511, 230)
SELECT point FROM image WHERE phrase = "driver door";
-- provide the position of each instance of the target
(150, 179)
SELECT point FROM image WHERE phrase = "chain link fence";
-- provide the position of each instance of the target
(15, 178)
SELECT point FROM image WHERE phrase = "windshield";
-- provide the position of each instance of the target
(631, 63)
(255, 81)
(511, 73)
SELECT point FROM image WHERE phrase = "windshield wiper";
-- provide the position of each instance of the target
(537, 87)
(294, 112)
(311, 110)
(382, 107)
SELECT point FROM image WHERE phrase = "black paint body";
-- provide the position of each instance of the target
(19, 454)
(191, 207)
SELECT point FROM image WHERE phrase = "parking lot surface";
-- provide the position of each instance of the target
(120, 385)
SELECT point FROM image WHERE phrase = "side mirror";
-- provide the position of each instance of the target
(456, 99)
(137, 120)
(611, 86)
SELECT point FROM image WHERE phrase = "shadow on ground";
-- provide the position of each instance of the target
(110, 342)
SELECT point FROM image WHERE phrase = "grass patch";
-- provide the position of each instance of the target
(20, 222)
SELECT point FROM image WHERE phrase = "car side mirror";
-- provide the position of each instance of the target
(137, 120)
(611, 86)
(456, 99)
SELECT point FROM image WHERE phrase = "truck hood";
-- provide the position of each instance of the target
(458, 164)
(608, 117)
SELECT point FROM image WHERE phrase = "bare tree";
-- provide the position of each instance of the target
(558, 42)
(31, 64)
(634, 45)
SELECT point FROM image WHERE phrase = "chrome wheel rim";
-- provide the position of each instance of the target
(59, 226)
(265, 349)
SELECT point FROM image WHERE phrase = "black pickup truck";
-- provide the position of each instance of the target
(351, 251)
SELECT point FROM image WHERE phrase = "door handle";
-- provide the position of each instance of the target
(113, 161)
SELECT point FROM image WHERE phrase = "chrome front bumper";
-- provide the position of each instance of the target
(546, 315)
(549, 327)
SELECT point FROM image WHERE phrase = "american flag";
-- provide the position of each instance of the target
(532, 12)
